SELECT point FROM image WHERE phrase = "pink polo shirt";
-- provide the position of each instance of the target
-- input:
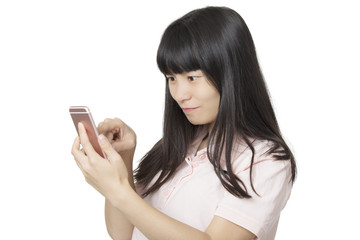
(194, 195)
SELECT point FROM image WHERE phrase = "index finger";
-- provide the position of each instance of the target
(108, 125)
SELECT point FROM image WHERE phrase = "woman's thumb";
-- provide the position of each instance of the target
(109, 151)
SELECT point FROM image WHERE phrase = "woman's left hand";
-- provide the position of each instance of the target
(107, 176)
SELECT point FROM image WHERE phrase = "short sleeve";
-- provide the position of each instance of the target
(260, 213)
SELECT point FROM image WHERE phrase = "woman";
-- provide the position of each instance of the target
(222, 169)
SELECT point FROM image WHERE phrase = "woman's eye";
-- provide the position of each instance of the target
(192, 78)
(169, 78)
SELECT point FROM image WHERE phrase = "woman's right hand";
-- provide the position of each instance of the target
(120, 135)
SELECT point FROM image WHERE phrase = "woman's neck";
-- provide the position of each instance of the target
(203, 143)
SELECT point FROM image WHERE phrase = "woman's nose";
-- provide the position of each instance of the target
(181, 92)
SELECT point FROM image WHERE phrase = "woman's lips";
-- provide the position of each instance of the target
(187, 110)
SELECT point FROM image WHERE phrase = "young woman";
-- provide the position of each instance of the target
(222, 169)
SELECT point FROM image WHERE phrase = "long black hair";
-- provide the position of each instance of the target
(217, 41)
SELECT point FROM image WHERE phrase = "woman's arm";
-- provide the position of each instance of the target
(110, 178)
(123, 140)
(118, 226)
(156, 225)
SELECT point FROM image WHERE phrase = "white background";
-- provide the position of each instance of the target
(54, 54)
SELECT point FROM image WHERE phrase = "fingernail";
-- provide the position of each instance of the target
(102, 139)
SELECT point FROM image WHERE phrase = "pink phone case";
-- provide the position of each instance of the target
(82, 114)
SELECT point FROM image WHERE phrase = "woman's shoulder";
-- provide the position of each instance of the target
(260, 147)
(244, 155)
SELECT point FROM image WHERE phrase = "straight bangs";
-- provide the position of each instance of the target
(176, 53)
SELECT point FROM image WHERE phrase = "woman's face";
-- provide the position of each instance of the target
(196, 96)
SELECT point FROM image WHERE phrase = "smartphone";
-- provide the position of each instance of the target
(82, 114)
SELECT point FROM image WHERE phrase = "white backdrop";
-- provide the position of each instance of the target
(54, 54)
